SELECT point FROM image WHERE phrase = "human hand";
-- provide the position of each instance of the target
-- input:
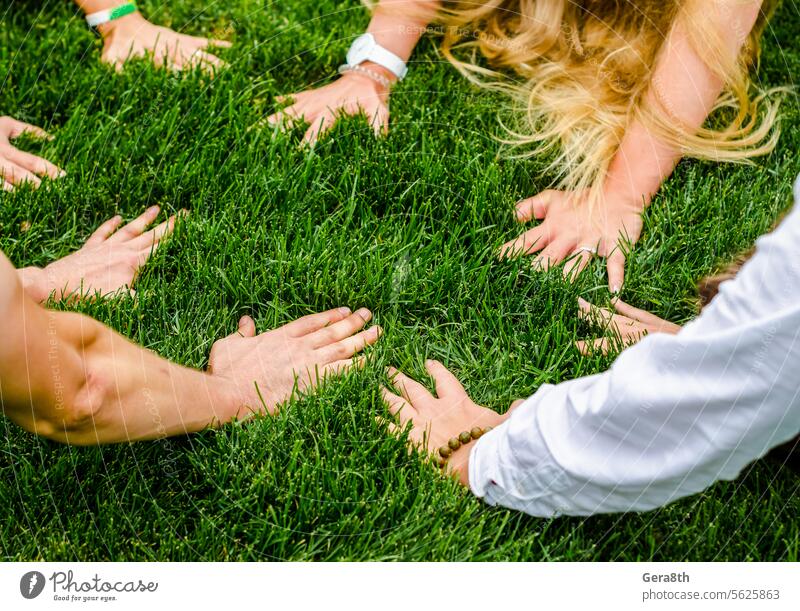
(133, 36)
(627, 327)
(298, 355)
(350, 94)
(571, 230)
(17, 166)
(106, 264)
(434, 421)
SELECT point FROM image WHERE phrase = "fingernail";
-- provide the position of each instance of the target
(364, 313)
(376, 331)
(615, 288)
(153, 209)
(344, 311)
(61, 173)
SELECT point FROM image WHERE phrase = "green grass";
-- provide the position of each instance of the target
(406, 226)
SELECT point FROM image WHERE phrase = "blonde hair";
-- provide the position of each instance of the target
(583, 68)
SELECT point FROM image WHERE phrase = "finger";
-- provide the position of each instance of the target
(349, 346)
(154, 236)
(534, 207)
(20, 127)
(411, 390)
(319, 127)
(7, 186)
(312, 322)
(636, 313)
(217, 42)
(339, 367)
(390, 426)
(207, 61)
(594, 346)
(35, 164)
(554, 254)
(289, 117)
(615, 264)
(576, 264)
(398, 407)
(136, 226)
(342, 329)
(379, 119)
(245, 328)
(529, 242)
(17, 175)
(592, 314)
(102, 233)
(603, 317)
(447, 385)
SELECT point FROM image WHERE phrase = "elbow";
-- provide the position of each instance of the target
(77, 416)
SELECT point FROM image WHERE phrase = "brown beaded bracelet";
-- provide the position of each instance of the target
(454, 443)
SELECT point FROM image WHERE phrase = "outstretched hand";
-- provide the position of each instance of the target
(572, 231)
(351, 94)
(106, 264)
(133, 36)
(626, 327)
(265, 369)
(17, 166)
(435, 420)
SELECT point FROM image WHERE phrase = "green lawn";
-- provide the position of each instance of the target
(406, 226)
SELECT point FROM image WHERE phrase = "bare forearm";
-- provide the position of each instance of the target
(77, 381)
(398, 25)
(683, 89)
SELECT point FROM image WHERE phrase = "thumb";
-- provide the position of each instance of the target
(247, 328)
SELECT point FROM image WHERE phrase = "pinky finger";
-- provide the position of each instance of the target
(588, 348)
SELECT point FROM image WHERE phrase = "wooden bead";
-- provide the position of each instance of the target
(476, 432)
(440, 462)
(445, 452)
(454, 443)
(486, 429)
(465, 437)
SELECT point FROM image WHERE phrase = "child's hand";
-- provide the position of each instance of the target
(627, 327)
(351, 94)
(133, 36)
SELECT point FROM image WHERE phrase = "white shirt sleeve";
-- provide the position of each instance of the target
(673, 414)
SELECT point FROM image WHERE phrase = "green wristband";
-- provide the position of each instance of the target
(101, 17)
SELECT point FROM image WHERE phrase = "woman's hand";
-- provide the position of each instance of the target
(106, 264)
(628, 326)
(350, 94)
(17, 166)
(298, 355)
(571, 230)
(133, 36)
(434, 420)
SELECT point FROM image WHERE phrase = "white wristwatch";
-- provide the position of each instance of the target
(365, 48)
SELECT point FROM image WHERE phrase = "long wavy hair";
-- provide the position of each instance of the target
(578, 71)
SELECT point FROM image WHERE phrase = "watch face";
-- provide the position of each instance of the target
(360, 49)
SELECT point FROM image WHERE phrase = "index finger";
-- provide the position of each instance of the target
(136, 226)
(154, 236)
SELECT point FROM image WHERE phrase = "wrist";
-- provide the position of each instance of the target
(34, 283)
(133, 20)
(382, 82)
